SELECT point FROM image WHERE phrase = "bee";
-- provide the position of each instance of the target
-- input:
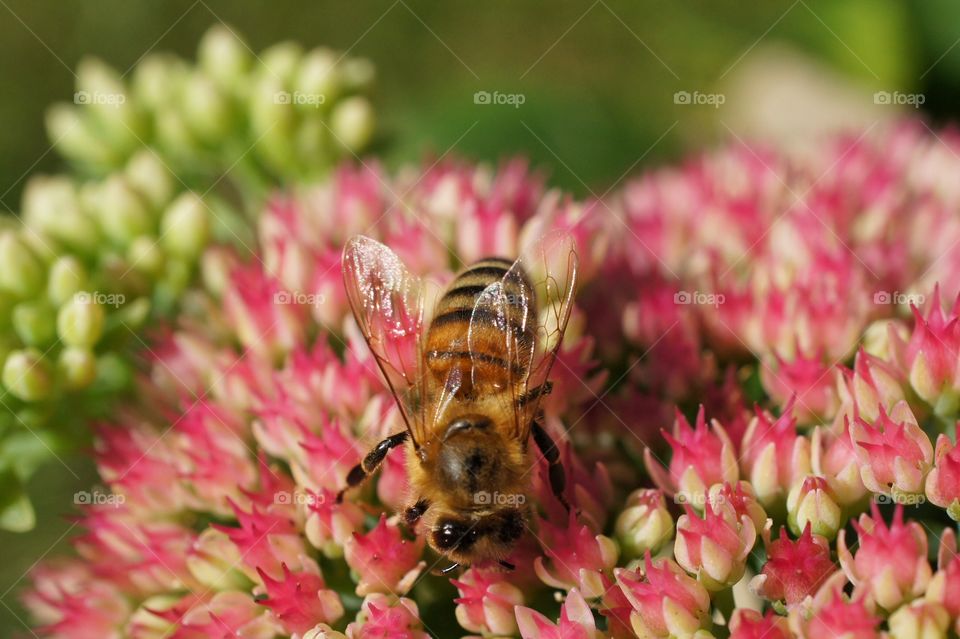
(468, 378)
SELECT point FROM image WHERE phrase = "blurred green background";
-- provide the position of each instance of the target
(597, 81)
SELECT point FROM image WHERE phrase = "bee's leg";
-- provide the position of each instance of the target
(536, 393)
(413, 514)
(558, 479)
(373, 459)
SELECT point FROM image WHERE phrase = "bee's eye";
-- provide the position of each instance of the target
(454, 534)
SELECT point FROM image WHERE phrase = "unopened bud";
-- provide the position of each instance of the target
(68, 276)
(319, 75)
(150, 176)
(811, 501)
(26, 375)
(122, 211)
(20, 270)
(352, 122)
(77, 367)
(73, 134)
(145, 255)
(223, 56)
(51, 206)
(206, 109)
(185, 227)
(35, 323)
(80, 321)
(645, 524)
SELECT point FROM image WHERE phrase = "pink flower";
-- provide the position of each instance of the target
(808, 379)
(666, 601)
(384, 560)
(895, 454)
(931, 354)
(387, 617)
(890, 564)
(486, 602)
(268, 320)
(300, 600)
(221, 615)
(833, 614)
(794, 569)
(741, 498)
(576, 557)
(873, 383)
(576, 621)
(714, 547)
(834, 456)
(68, 602)
(266, 539)
(943, 482)
(701, 457)
(749, 624)
(773, 456)
(329, 525)
(944, 587)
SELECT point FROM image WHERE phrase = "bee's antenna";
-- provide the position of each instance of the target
(449, 569)
(507, 565)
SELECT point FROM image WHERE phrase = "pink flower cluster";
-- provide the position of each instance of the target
(776, 318)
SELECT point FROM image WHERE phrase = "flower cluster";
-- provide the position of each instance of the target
(762, 334)
(96, 257)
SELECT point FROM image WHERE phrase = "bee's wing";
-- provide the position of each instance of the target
(533, 299)
(388, 304)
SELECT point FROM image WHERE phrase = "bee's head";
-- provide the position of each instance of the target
(466, 539)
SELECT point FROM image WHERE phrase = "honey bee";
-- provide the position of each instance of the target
(468, 380)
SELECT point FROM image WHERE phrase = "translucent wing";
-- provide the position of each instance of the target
(388, 304)
(529, 307)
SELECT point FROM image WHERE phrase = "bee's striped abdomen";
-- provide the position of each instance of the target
(503, 325)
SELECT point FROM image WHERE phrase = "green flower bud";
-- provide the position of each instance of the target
(145, 255)
(352, 123)
(67, 277)
(26, 375)
(75, 136)
(51, 206)
(150, 176)
(206, 109)
(80, 321)
(20, 270)
(77, 367)
(319, 76)
(135, 313)
(156, 79)
(223, 56)
(273, 123)
(215, 266)
(185, 227)
(101, 90)
(281, 60)
(35, 323)
(122, 212)
(173, 134)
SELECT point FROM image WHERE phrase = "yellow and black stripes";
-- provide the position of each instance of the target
(500, 327)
